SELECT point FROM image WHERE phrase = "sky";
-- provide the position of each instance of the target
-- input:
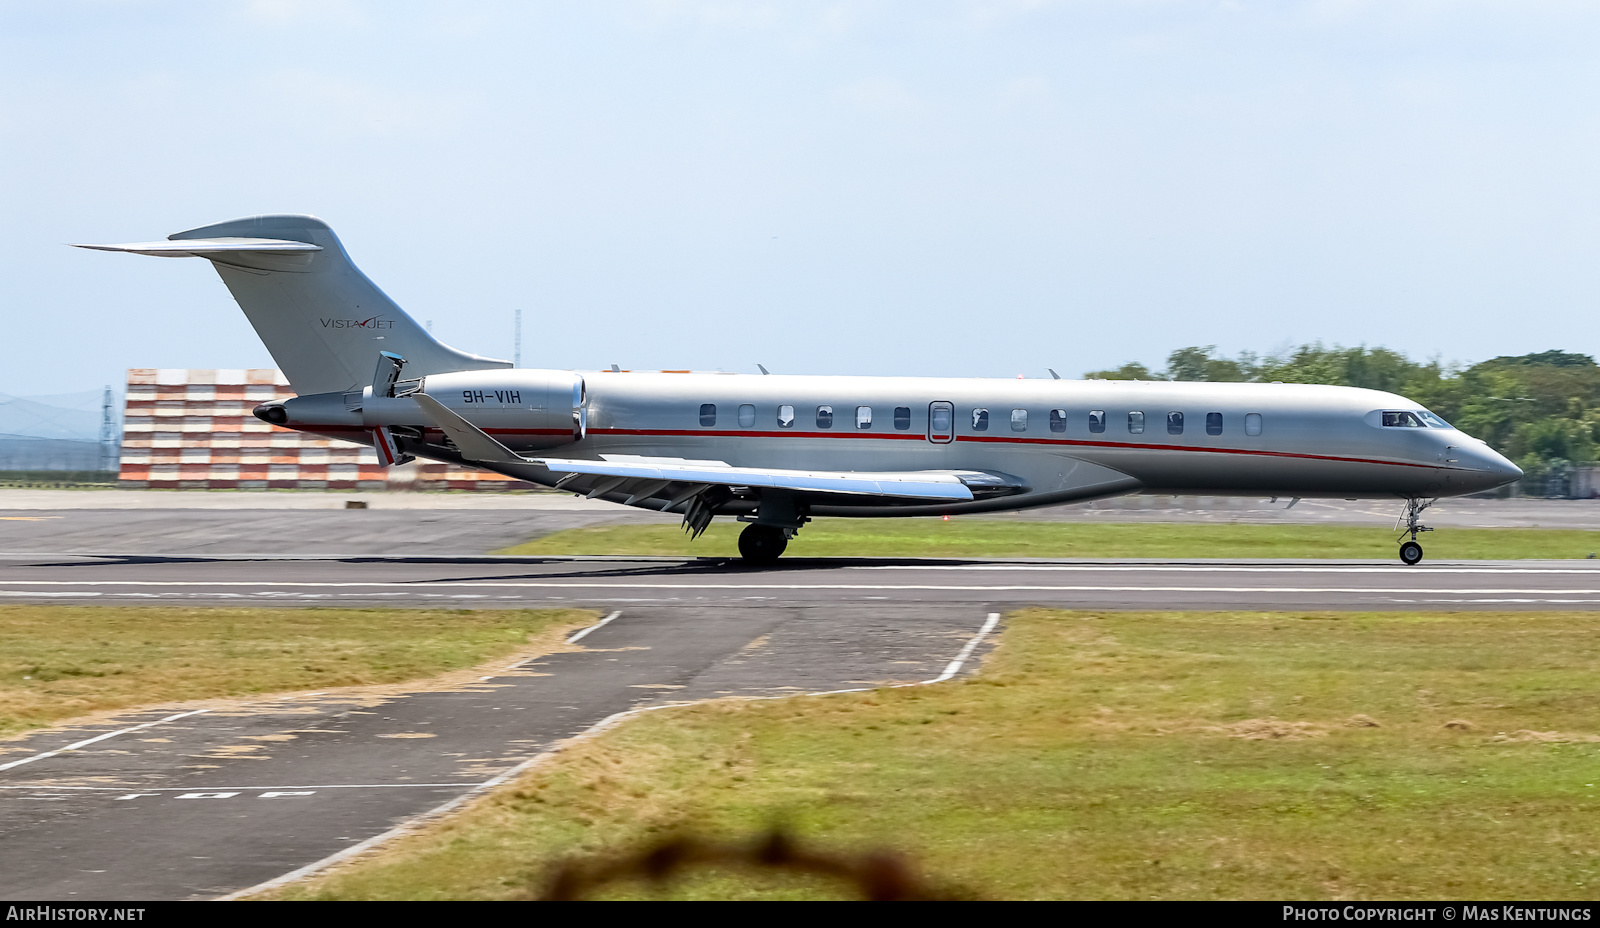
(930, 187)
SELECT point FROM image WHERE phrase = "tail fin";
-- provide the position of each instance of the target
(321, 318)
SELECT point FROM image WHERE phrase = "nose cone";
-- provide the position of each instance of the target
(1489, 468)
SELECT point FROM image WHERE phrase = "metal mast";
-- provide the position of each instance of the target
(108, 433)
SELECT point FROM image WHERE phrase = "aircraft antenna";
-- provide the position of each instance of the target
(1053, 374)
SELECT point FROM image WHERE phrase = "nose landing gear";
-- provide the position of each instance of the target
(1410, 551)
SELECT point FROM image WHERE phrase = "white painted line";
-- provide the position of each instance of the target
(595, 627)
(208, 795)
(273, 794)
(89, 741)
(411, 825)
(1223, 568)
(888, 587)
(966, 652)
(152, 790)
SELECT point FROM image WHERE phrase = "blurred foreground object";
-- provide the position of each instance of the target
(879, 876)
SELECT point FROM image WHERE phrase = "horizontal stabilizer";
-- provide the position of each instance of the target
(323, 320)
(199, 247)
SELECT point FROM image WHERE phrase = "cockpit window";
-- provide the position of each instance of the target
(1402, 420)
(1433, 420)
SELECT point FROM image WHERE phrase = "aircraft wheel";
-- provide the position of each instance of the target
(1411, 552)
(760, 545)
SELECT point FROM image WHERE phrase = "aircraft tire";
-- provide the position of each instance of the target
(1411, 552)
(761, 545)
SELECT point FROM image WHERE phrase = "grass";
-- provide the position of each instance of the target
(57, 662)
(58, 479)
(1016, 538)
(1106, 756)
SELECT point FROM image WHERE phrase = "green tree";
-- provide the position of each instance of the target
(1542, 410)
(1133, 370)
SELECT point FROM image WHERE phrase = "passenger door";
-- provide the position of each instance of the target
(941, 422)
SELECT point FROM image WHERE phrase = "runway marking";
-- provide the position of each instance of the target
(579, 635)
(89, 741)
(883, 587)
(1208, 568)
(966, 652)
(187, 789)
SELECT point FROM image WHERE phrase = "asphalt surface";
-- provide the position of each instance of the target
(981, 585)
(266, 531)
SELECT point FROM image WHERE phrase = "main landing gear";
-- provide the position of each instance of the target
(761, 545)
(1410, 551)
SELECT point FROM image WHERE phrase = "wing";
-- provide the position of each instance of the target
(928, 485)
(672, 483)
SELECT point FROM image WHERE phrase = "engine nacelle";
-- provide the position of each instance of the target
(524, 410)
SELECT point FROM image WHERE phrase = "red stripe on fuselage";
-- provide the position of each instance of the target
(1056, 442)
(911, 436)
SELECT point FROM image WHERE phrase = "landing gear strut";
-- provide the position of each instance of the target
(1410, 551)
(761, 545)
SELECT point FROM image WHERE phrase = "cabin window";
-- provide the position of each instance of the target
(1019, 420)
(1402, 420)
(1058, 420)
(941, 416)
(902, 418)
(1213, 423)
(1136, 423)
(1097, 420)
(1252, 423)
(708, 414)
(785, 417)
(1174, 423)
(824, 417)
(980, 420)
(747, 416)
(863, 417)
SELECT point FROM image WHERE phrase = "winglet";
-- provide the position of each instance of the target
(473, 443)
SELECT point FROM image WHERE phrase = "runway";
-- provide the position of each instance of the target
(487, 582)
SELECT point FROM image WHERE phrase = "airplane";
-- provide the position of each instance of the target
(775, 451)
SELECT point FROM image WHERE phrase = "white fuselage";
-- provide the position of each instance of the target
(1064, 440)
